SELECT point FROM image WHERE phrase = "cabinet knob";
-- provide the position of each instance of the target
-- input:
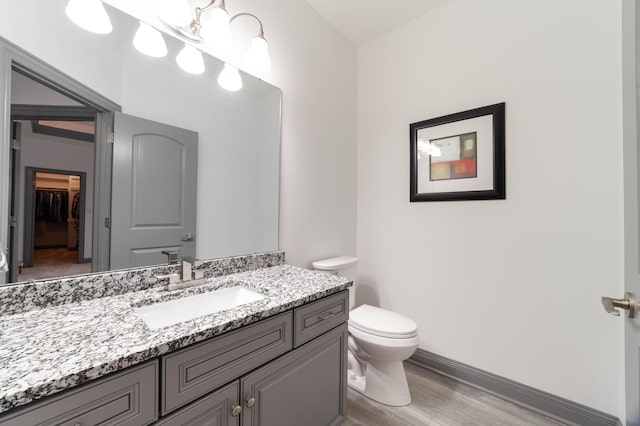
(251, 402)
(235, 410)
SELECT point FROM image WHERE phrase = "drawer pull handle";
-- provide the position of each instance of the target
(326, 316)
(235, 410)
(251, 402)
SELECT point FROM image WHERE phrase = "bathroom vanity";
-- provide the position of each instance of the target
(277, 361)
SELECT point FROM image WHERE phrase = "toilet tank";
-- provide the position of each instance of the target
(336, 265)
(345, 266)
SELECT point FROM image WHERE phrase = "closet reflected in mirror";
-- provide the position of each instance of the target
(53, 245)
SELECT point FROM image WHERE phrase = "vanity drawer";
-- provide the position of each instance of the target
(318, 317)
(126, 398)
(199, 369)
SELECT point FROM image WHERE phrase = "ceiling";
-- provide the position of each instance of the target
(361, 21)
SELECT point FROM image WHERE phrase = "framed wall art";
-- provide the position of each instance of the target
(459, 156)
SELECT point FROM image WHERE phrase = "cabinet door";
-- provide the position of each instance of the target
(213, 410)
(307, 387)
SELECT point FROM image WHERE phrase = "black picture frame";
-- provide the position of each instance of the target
(471, 168)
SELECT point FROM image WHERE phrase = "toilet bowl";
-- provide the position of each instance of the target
(379, 341)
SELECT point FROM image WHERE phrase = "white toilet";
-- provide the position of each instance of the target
(379, 340)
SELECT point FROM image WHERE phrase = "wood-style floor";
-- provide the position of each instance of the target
(52, 263)
(439, 400)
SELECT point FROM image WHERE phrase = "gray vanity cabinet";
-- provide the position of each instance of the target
(286, 370)
(305, 387)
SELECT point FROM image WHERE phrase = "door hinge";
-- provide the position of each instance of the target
(107, 222)
(13, 221)
(16, 145)
(110, 137)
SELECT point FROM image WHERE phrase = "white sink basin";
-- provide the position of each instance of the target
(176, 311)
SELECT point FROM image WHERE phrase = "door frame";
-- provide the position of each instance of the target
(57, 113)
(28, 227)
(630, 39)
(12, 58)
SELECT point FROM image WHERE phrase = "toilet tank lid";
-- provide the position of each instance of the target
(381, 322)
(335, 263)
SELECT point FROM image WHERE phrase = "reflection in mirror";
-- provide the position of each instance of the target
(238, 136)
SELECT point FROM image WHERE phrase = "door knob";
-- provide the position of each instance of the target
(188, 237)
(628, 303)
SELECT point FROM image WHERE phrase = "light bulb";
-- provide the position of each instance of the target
(216, 31)
(190, 60)
(90, 15)
(174, 12)
(149, 41)
(257, 58)
(229, 78)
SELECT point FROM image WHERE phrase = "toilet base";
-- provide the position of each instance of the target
(385, 382)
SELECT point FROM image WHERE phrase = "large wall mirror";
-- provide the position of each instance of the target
(60, 187)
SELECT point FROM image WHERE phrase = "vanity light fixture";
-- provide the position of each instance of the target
(229, 78)
(215, 29)
(149, 41)
(190, 60)
(90, 15)
(211, 25)
(177, 13)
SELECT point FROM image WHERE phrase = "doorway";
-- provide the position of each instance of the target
(54, 224)
(55, 164)
(85, 102)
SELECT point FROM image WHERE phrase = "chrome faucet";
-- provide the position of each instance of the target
(188, 276)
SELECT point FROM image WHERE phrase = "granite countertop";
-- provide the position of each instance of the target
(45, 351)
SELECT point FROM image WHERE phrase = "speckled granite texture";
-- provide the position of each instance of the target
(24, 297)
(44, 351)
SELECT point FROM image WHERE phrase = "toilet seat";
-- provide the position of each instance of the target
(381, 322)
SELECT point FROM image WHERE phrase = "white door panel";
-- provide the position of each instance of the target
(154, 192)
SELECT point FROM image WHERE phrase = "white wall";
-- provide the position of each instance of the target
(512, 287)
(316, 69)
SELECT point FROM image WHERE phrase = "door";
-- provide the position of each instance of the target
(631, 162)
(14, 165)
(219, 408)
(154, 192)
